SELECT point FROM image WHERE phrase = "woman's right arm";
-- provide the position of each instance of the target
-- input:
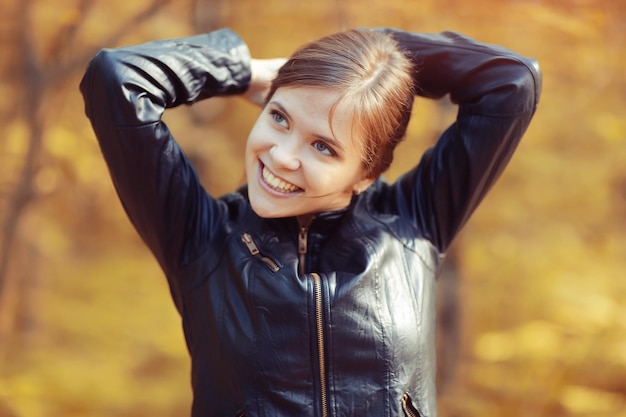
(126, 91)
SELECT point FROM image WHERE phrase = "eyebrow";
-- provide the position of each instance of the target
(338, 146)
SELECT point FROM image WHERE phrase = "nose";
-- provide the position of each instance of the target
(285, 155)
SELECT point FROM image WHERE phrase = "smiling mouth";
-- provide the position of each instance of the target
(277, 184)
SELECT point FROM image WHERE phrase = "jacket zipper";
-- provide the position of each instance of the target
(302, 247)
(408, 407)
(319, 317)
(319, 324)
(254, 251)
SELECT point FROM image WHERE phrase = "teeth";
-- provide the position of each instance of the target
(278, 184)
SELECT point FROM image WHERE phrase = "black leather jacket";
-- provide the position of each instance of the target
(333, 319)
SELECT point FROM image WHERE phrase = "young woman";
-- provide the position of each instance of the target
(310, 291)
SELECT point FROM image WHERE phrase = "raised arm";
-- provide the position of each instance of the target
(126, 91)
(497, 92)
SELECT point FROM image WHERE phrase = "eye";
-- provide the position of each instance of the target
(324, 149)
(279, 118)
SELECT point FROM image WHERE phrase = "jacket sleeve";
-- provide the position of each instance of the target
(497, 92)
(126, 91)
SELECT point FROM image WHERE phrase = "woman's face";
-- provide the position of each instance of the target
(295, 163)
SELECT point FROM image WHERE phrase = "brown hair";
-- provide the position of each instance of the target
(375, 78)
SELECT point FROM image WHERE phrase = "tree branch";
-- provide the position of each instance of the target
(61, 71)
(36, 78)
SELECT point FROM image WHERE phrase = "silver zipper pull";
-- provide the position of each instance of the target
(302, 240)
(302, 248)
(254, 251)
(408, 407)
(252, 247)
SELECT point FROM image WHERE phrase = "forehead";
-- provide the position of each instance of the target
(315, 102)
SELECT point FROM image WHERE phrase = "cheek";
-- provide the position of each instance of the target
(258, 139)
(328, 178)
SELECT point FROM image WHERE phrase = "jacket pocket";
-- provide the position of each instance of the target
(270, 263)
(407, 406)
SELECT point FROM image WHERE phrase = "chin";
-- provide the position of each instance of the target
(264, 209)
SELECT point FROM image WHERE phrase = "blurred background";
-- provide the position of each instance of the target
(532, 318)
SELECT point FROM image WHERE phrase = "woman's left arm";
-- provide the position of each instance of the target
(497, 92)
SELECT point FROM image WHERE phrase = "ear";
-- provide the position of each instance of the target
(362, 185)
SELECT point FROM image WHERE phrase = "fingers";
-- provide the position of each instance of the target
(263, 71)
